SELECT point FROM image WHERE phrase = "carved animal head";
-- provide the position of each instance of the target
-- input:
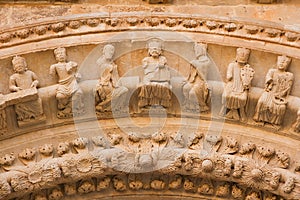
(99, 141)
(80, 143)
(46, 149)
(28, 154)
(265, 151)
(63, 148)
(7, 159)
(247, 148)
(159, 137)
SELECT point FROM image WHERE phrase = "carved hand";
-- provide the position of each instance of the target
(34, 84)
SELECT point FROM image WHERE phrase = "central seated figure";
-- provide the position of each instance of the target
(155, 88)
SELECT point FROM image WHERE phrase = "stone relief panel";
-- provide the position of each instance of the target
(195, 88)
(239, 76)
(68, 94)
(26, 81)
(222, 174)
(108, 87)
(272, 104)
(155, 88)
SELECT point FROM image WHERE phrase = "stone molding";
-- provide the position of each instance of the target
(229, 169)
(270, 33)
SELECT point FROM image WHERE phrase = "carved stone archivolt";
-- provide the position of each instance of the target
(226, 174)
(152, 74)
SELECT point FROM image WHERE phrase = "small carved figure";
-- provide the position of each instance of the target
(119, 184)
(70, 188)
(86, 187)
(232, 145)
(206, 188)
(56, 194)
(223, 190)
(176, 183)
(283, 159)
(289, 185)
(159, 137)
(7, 159)
(27, 155)
(24, 79)
(108, 89)
(46, 150)
(248, 149)
(63, 148)
(195, 88)
(68, 94)
(296, 125)
(235, 95)
(238, 169)
(253, 196)
(136, 185)
(188, 185)
(155, 89)
(158, 184)
(271, 105)
(265, 153)
(100, 141)
(193, 140)
(103, 183)
(237, 193)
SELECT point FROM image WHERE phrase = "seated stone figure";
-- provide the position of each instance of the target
(68, 94)
(271, 105)
(155, 89)
(195, 88)
(21, 80)
(108, 90)
(239, 76)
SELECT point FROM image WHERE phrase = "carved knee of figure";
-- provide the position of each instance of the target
(62, 101)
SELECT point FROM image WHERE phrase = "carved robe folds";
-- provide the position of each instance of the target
(195, 90)
(156, 88)
(108, 89)
(271, 105)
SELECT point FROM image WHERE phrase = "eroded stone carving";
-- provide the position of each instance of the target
(232, 145)
(103, 183)
(7, 160)
(272, 104)
(86, 187)
(27, 155)
(119, 183)
(108, 88)
(195, 88)
(46, 150)
(68, 94)
(70, 188)
(63, 148)
(296, 125)
(239, 76)
(56, 194)
(155, 89)
(223, 190)
(289, 185)
(22, 80)
(206, 188)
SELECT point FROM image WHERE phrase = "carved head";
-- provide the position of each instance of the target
(28, 154)
(46, 149)
(283, 62)
(108, 51)
(7, 159)
(60, 54)
(19, 64)
(63, 148)
(242, 55)
(154, 47)
(200, 49)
